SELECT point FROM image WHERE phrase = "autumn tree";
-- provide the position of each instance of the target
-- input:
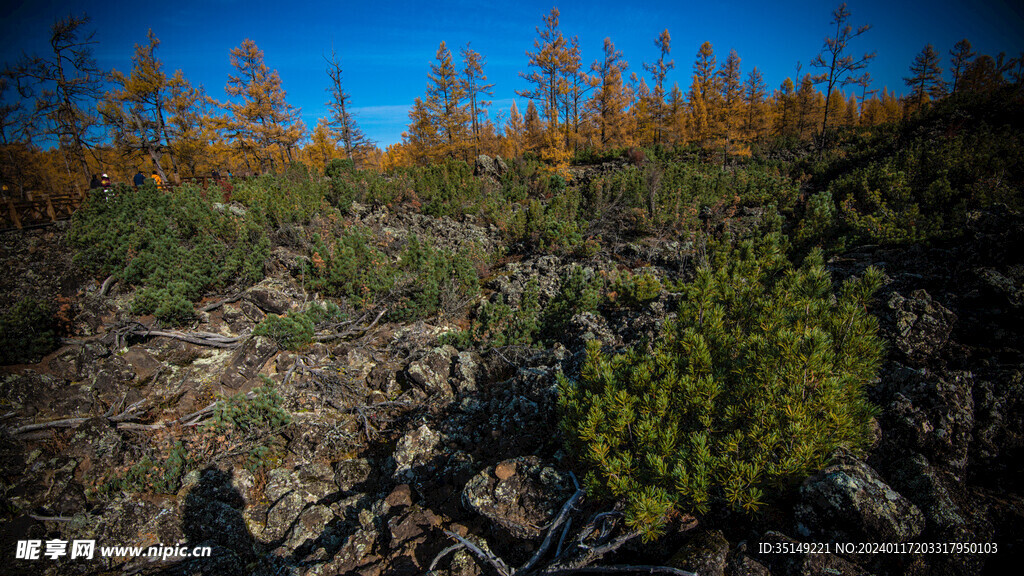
(836, 64)
(192, 123)
(534, 128)
(475, 81)
(754, 93)
(576, 85)
(704, 94)
(984, 74)
(65, 87)
(422, 142)
(730, 82)
(341, 124)
(446, 103)
(263, 120)
(515, 133)
(608, 105)
(785, 108)
(658, 70)
(809, 105)
(135, 110)
(961, 58)
(926, 83)
(547, 59)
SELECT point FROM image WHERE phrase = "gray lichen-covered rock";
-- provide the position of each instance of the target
(431, 372)
(934, 415)
(520, 495)
(705, 553)
(247, 361)
(849, 502)
(413, 450)
(922, 324)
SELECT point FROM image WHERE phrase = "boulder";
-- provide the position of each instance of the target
(922, 325)
(932, 414)
(489, 167)
(705, 553)
(414, 450)
(431, 372)
(848, 501)
(247, 361)
(528, 498)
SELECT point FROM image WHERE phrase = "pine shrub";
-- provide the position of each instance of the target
(761, 377)
(174, 246)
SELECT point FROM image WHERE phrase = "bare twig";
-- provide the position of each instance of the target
(444, 553)
(110, 281)
(487, 556)
(51, 518)
(219, 303)
(129, 413)
(562, 515)
(626, 569)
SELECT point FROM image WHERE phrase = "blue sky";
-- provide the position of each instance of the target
(386, 47)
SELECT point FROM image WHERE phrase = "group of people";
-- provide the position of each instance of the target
(103, 181)
(139, 179)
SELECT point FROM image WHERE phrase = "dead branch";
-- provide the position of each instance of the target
(352, 328)
(219, 303)
(486, 556)
(218, 342)
(576, 560)
(624, 569)
(110, 281)
(130, 413)
(444, 553)
(562, 517)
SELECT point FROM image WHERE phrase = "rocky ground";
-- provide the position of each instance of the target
(397, 447)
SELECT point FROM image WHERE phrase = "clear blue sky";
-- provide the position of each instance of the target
(386, 47)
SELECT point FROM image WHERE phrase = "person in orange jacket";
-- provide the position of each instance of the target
(159, 181)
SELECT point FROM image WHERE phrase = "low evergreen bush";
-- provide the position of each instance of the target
(762, 376)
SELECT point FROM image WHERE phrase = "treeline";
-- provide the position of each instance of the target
(63, 119)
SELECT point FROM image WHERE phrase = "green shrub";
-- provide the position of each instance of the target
(159, 477)
(261, 413)
(289, 198)
(295, 330)
(174, 246)
(291, 331)
(348, 266)
(758, 381)
(498, 324)
(433, 280)
(581, 290)
(636, 289)
(28, 331)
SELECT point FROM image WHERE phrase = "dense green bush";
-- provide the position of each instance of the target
(28, 331)
(635, 289)
(296, 329)
(288, 198)
(422, 281)
(156, 476)
(498, 324)
(261, 413)
(582, 290)
(758, 381)
(174, 246)
(919, 179)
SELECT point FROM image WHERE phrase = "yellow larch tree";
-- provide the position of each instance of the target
(263, 121)
(608, 107)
